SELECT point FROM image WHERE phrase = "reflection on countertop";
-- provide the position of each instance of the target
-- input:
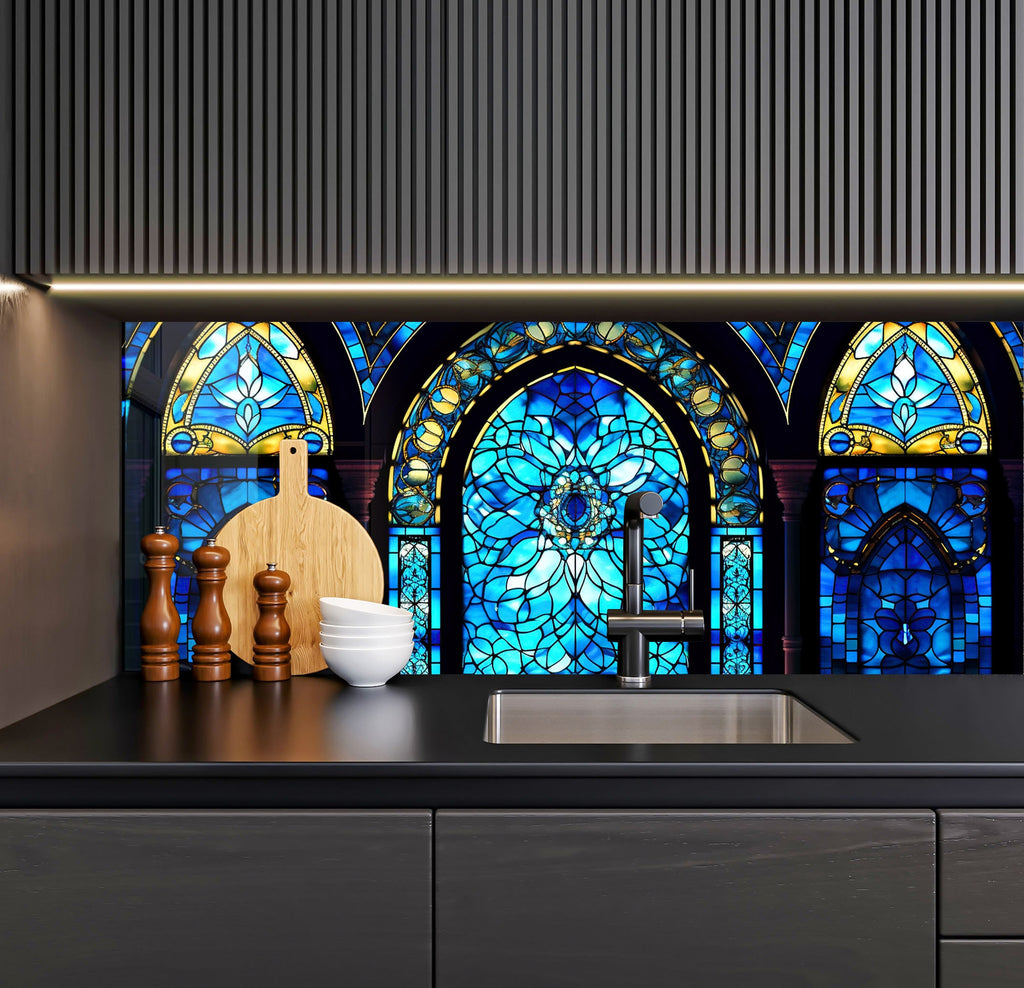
(261, 722)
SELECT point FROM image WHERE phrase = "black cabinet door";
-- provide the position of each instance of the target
(981, 856)
(203, 898)
(608, 898)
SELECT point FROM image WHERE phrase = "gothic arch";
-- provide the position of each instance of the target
(728, 447)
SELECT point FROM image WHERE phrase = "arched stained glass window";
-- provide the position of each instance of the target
(905, 573)
(543, 501)
(242, 388)
(904, 388)
(730, 473)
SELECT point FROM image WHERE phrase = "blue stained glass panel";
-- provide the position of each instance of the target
(543, 500)
(137, 337)
(1012, 335)
(905, 393)
(683, 374)
(779, 347)
(372, 346)
(248, 393)
(737, 592)
(905, 575)
(415, 584)
(904, 387)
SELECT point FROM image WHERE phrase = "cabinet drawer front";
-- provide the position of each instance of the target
(981, 963)
(204, 898)
(613, 898)
(981, 873)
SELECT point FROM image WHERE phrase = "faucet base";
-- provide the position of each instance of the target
(634, 682)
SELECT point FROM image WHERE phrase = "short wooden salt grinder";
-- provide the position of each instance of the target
(211, 657)
(271, 650)
(159, 624)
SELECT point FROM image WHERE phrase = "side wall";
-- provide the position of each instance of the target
(60, 501)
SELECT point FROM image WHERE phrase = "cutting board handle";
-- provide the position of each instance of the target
(294, 468)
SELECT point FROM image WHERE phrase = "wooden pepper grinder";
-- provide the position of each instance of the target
(159, 624)
(211, 657)
(271, 651)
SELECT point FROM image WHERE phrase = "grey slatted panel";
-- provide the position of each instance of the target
(10, 132)
(517, 136)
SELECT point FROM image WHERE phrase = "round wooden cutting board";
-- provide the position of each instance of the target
(325, 551)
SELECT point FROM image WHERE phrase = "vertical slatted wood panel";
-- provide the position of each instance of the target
(517, 136)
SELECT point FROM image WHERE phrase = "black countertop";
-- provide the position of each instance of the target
(920, 742)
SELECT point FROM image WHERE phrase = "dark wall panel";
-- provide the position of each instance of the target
(60, 500)
(519, 136)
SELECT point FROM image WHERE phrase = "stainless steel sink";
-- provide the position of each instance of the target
(655, 717)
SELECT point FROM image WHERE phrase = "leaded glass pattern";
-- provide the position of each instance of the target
(714, 413)
(137, 337)
(904, 388)
(779, 348)
(1012, 335)
(198, 501)
(544, 495)
(242, 388)
(415, 585)
(371, 348)
(737, 598)
(905, 573)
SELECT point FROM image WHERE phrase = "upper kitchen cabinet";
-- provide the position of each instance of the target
(512, 137)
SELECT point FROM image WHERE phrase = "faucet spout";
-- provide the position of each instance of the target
(641, 505)
(632, 627)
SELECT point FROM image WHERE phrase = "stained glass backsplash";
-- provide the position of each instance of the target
(491, 462)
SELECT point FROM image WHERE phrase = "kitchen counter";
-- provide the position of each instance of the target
(312, 741)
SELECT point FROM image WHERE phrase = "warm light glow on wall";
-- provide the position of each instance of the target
(8, 287)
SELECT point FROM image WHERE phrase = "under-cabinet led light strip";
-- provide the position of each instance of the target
(441, 285)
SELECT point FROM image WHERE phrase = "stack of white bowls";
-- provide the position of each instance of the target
(362, 642)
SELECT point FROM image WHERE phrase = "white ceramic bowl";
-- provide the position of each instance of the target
(366, 666)
(346, 610)
(395, 628)
(366, 641)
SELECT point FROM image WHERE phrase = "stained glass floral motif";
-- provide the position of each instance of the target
(198, 500)
(544, 495)
(779, 347)
(371, 347)
(904, 388)
(717, 419)
(1012, 335)
(905, 573)
(242, 388)
(736, 618)
(415, 586)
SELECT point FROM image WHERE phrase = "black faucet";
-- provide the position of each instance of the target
(633, 627)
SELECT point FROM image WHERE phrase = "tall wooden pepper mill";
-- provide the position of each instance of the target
(271, 650)
(211, 657)
(159, 624)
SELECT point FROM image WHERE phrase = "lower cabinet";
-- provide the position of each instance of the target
(202, 898)
(981, 895)
(612, 898)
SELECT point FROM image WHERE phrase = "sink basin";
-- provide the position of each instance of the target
(655, 717)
